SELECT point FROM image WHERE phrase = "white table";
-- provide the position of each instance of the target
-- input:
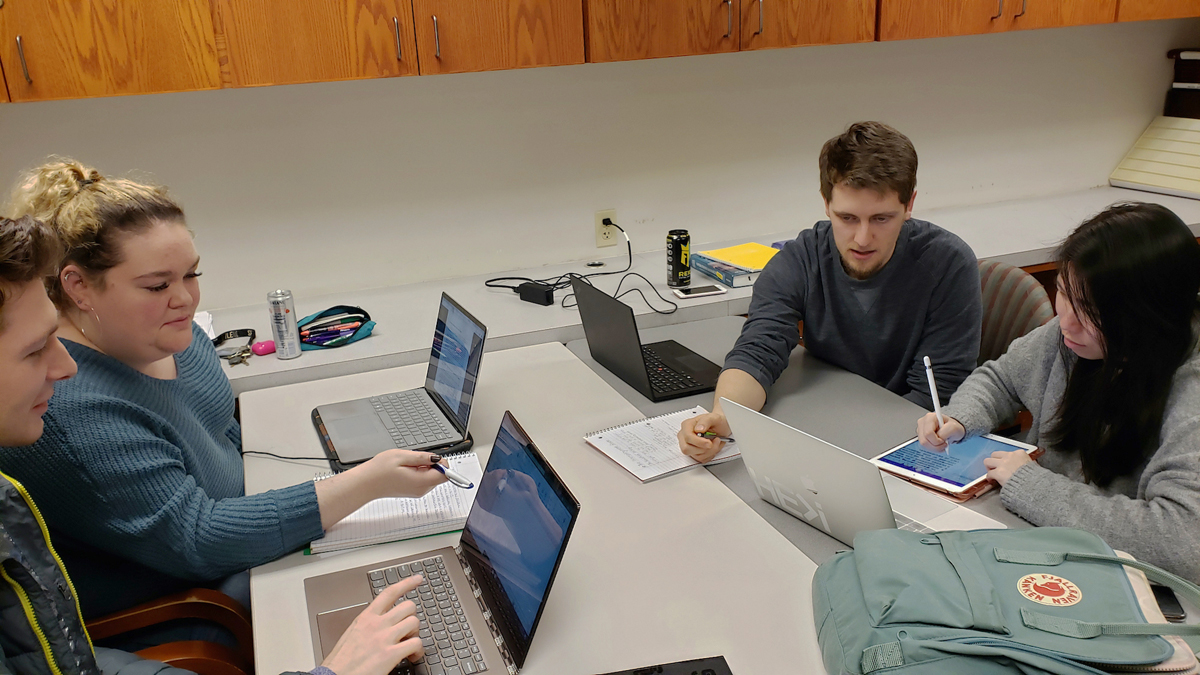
(1020, 232)
(675, 569)
(821, 399)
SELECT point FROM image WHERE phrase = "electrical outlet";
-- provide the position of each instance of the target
(606, 235)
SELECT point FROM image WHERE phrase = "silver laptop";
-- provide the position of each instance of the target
(430, 417)
(823, 485)
(481, 601)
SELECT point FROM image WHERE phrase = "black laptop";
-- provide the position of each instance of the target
(659, 371)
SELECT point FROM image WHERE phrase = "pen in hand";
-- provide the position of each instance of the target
(713, 434)
(455, 478)
(937, 403)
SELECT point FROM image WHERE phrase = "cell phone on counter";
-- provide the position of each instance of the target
(697, 291)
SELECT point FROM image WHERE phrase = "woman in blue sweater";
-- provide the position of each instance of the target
(139, 471)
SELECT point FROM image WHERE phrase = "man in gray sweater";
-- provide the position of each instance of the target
(876, 289)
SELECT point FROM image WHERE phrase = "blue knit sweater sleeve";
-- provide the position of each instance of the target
(111, 481)
(149, 470)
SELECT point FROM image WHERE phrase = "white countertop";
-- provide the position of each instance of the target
(1020, 232)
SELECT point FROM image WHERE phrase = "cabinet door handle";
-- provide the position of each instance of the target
(1000, 11)
(437, 42)
(1024, 3)
(760, 18)
(24, 66)
(728, 16)
(396, 25)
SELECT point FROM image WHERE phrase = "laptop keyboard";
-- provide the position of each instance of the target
(412, 419)
(450, 644)
(907, 524)
(663, 378)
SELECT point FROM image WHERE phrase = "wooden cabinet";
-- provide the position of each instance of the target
(1056, 13)
(792, 23)
(55, 49)
(906, 19)
(1140, 10)
(622, 30)
(264, 42)
(455, 36)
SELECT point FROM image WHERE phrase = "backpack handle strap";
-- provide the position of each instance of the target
(1086, 629)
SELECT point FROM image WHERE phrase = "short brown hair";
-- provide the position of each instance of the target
(90, 213)
(870, 155)
(28, 250)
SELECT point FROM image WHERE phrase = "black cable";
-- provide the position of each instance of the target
(618, 293)
(271, 454)
(564, 280)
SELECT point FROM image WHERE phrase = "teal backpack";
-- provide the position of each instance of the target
(1032, 601)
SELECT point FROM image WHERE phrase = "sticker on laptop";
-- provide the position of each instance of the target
(1048, 589)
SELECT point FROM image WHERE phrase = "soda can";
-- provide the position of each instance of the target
(679, 263)
(283, 324)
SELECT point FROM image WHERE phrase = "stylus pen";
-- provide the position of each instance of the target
(455, 478)
(937, 404)
(713, 434)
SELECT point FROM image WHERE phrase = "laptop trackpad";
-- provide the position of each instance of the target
(358, 437)
(331, 625)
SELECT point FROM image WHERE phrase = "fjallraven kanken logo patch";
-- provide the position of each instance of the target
(1048, 589)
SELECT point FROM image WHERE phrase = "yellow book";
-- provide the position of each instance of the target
(751, 256)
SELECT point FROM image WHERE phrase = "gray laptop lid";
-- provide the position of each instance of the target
(832, 490)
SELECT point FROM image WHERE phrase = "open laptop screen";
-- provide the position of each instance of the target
(454, 364)
(516, 533)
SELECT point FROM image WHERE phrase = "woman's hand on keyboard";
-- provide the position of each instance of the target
(381, 636)
(934, 438)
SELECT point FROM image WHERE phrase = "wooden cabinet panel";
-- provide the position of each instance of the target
(622, 30)
(905, 19)
(791, 23)
(455, 36)
(1139, 10)
(107, 47)
(287, 41)
(1054, 13)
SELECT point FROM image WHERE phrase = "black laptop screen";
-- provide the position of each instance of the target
(454, 364)
(517, 531)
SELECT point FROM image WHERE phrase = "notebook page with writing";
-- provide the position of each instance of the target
(443, 509)
(649, 448)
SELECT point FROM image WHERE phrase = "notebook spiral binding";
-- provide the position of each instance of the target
(629, 424)
(322, 475)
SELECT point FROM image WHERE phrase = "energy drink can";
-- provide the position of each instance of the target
(679, 263)
(283, 324)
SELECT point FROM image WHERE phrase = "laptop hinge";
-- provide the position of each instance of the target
(487, 613)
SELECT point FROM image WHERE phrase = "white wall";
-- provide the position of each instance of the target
(378, 182)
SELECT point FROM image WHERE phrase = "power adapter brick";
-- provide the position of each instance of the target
(538, 294)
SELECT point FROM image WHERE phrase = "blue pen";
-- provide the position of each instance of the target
(455, 478)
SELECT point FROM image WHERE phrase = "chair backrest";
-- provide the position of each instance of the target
(1014, 303)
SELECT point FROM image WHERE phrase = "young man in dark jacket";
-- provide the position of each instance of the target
(41, 630)
(877, 290)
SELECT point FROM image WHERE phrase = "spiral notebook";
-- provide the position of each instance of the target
(443, 509)
(649, 448)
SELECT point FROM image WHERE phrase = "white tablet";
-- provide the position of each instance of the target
(956, 470)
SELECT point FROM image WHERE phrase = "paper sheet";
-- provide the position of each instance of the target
(649, 448)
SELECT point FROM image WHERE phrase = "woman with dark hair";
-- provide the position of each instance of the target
(1113, 384)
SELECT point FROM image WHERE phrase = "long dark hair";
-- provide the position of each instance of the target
(1133, 272)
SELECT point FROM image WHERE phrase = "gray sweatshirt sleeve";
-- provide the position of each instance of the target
(951, 334)
(998, 389)
(772, 328)
(1161, 526)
